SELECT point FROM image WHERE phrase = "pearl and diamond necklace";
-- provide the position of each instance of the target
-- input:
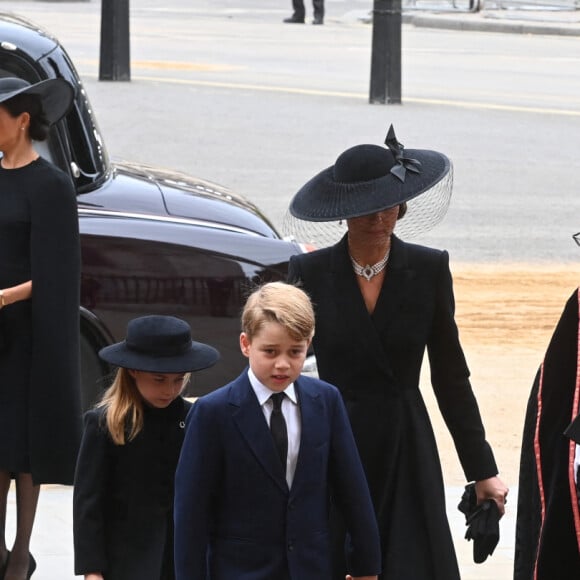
(369, 271)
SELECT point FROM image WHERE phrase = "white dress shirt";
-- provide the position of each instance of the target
(291, 412)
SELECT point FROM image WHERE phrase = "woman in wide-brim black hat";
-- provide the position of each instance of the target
(123, 494)
(380, 303)
(40, 414)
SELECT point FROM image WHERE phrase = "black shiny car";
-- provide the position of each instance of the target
(153, 241)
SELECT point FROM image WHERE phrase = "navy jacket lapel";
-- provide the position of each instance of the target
(310, 438)
(249, 418)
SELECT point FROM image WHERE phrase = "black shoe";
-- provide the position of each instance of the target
(31, 566)
(294, 20)
(317, 20)
(4, 566)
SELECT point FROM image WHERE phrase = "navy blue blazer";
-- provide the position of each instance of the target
(236, 518)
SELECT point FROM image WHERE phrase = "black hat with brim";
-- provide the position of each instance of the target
(160, 344)
(56, 95)
(367, 179)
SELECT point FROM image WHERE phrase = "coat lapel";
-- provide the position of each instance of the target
(395, 287)
(310, 438)
(249, 419)
(368, 328)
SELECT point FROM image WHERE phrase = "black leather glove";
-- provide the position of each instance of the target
(482, 523)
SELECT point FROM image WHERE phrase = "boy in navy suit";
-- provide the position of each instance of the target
(257, 474)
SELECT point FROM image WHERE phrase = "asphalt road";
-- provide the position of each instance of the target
(224, 90)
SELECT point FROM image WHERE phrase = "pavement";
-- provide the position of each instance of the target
(560, 22)
(513, 20)
(52, 542)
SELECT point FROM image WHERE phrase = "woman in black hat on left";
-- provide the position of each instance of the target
(39, 309)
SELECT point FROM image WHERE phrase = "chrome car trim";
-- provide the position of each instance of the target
(168, 219)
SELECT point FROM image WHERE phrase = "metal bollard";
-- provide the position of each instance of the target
(386, 52)
(115, 64)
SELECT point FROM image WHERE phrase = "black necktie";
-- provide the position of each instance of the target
(278, 428)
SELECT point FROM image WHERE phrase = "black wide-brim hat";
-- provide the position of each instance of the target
(366, 179)
(56, 95)
(160, 344)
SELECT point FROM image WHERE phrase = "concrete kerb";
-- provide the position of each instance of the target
(568, 23)
(557, 22)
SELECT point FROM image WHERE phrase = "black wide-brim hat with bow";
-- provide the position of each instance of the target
(56, 95)
(366, 179)
(160, 344)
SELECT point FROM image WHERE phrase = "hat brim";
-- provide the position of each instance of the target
(324, 199)
(56, 96)
(200, 356)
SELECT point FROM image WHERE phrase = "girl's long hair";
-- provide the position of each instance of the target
(124, 408)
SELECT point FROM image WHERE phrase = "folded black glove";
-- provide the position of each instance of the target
(482, 523)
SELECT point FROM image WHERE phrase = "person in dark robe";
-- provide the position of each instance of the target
(380, 303)
(40, 412)
(547, 543)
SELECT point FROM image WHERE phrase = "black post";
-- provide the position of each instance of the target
(115, 64)
(386, 52)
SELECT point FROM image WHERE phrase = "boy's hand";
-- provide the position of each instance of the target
(349, 577)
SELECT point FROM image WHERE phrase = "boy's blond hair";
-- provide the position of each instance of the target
(282, 303)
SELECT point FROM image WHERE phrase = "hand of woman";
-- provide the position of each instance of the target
(94, 576)
(492, 488)
(16, 293)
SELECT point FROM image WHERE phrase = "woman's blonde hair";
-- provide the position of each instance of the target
(123, 406)
(278, 302)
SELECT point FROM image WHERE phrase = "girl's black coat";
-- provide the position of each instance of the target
(375, 361)
(123, 497)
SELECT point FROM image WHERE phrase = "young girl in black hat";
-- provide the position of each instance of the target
(123, 495)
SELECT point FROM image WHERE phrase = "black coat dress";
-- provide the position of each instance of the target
(375, 361)
(40, 413)
(546, 533)
(123, 497)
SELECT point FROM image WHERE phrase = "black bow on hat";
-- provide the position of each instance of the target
(482, 523)
(366, 179)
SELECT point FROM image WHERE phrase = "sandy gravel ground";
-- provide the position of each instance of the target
(506, 315)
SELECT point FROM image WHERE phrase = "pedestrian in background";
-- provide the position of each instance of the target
(123, 495)
(264, 456)
(40, 414)
(299, 14)
(380, 303)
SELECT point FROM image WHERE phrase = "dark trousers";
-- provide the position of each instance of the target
(299, 11)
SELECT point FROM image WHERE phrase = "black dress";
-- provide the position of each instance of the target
(375, 360)
(123, 497)
(40, 416)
